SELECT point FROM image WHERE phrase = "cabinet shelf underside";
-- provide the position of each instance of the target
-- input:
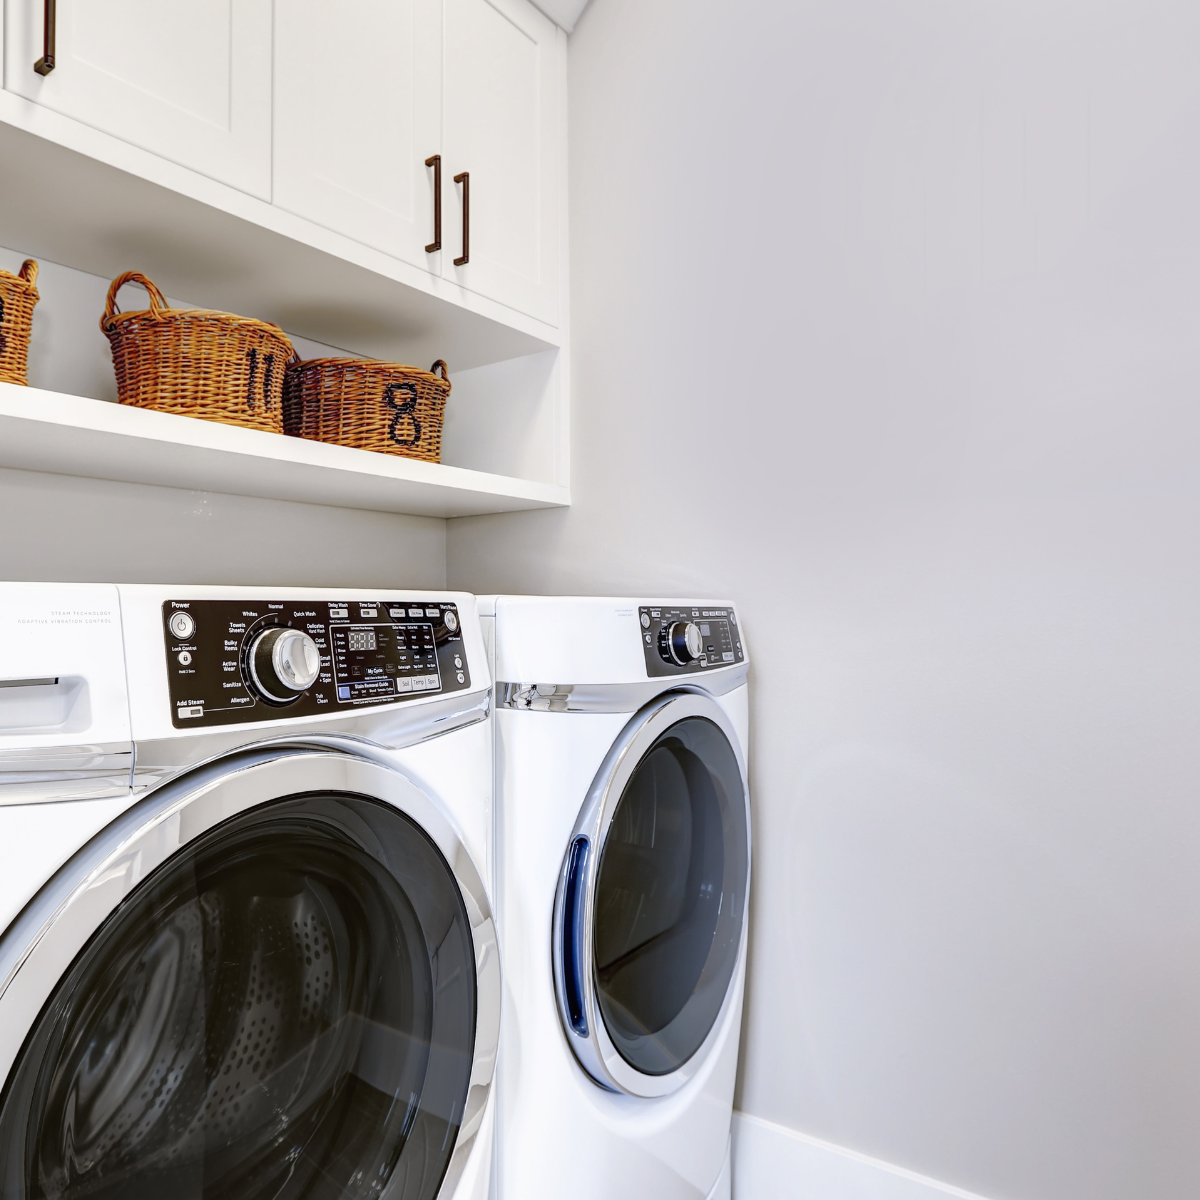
(72, 195)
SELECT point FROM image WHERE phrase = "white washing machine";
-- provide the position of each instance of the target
(623, 864)
(246, 942)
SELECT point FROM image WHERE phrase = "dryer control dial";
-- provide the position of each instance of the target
(284, 663)
(684, 643)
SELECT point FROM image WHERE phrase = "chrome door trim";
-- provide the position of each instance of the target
(594, 1049)
(40, 945)
(161, 759)
(612, 697)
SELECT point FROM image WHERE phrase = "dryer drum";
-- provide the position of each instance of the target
(668, 907)
(651, 909)
(286, 1008)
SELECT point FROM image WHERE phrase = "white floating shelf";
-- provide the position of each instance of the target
(71, 435)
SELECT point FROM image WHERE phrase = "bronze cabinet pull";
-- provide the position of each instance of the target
(465, 180)
(435, 161)
(45, 64)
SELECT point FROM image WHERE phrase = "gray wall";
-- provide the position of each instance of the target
(54, 527)
(885, 325)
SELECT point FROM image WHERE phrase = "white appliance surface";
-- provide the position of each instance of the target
(558, 1131)
(87, 743)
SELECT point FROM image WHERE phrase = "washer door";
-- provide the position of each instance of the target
(651, 909)
(278, 996)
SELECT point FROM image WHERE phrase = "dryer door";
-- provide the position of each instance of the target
(650, 917)
(276, 977)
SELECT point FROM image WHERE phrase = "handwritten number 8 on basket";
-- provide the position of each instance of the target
(405, 409)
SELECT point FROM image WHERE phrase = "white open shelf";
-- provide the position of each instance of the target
(71, 435)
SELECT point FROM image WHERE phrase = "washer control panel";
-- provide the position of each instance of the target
(683, 641)
(243, 660)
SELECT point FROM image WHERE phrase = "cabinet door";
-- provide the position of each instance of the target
(189, 80)
(357, 113)
(503, 122)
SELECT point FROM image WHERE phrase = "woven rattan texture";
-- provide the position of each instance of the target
(195, 362)
(17, 298)
(368, 405)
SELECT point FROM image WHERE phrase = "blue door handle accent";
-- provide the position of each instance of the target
(573, 936)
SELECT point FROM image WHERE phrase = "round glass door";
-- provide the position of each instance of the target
(670, 897)
(285, 1009)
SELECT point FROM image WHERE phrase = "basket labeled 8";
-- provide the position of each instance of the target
(196, 362)
(381, 406)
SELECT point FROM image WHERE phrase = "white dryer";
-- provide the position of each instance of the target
(623, 866)
(246, 942)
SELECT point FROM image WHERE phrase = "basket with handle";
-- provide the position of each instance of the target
(17, 298)
(197, 362)
(369, 405)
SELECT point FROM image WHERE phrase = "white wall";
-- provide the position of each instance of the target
(885, 324)
(55, 527)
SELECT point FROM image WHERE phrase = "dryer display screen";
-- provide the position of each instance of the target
(231, 661)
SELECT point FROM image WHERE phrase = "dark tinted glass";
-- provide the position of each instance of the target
(671, 897)
(286, 1009)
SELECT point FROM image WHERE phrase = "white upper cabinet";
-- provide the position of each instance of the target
(189, 80)
(332, 112)
(357, 114)
(503, 128)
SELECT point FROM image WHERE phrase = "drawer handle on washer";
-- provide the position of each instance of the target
(573, 936)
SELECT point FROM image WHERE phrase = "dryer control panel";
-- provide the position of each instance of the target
(684, 641)
(236, 660)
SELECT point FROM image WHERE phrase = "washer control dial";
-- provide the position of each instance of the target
(684, 642)
(284, 663)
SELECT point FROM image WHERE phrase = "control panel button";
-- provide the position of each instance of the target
(182, 625)
(645, 620)
(451, 620)
(185, 658)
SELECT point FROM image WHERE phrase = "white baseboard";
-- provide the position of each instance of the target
(774, 1163)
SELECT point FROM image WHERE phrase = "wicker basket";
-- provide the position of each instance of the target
(17, 298)
(197, 363)
(368, 405)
